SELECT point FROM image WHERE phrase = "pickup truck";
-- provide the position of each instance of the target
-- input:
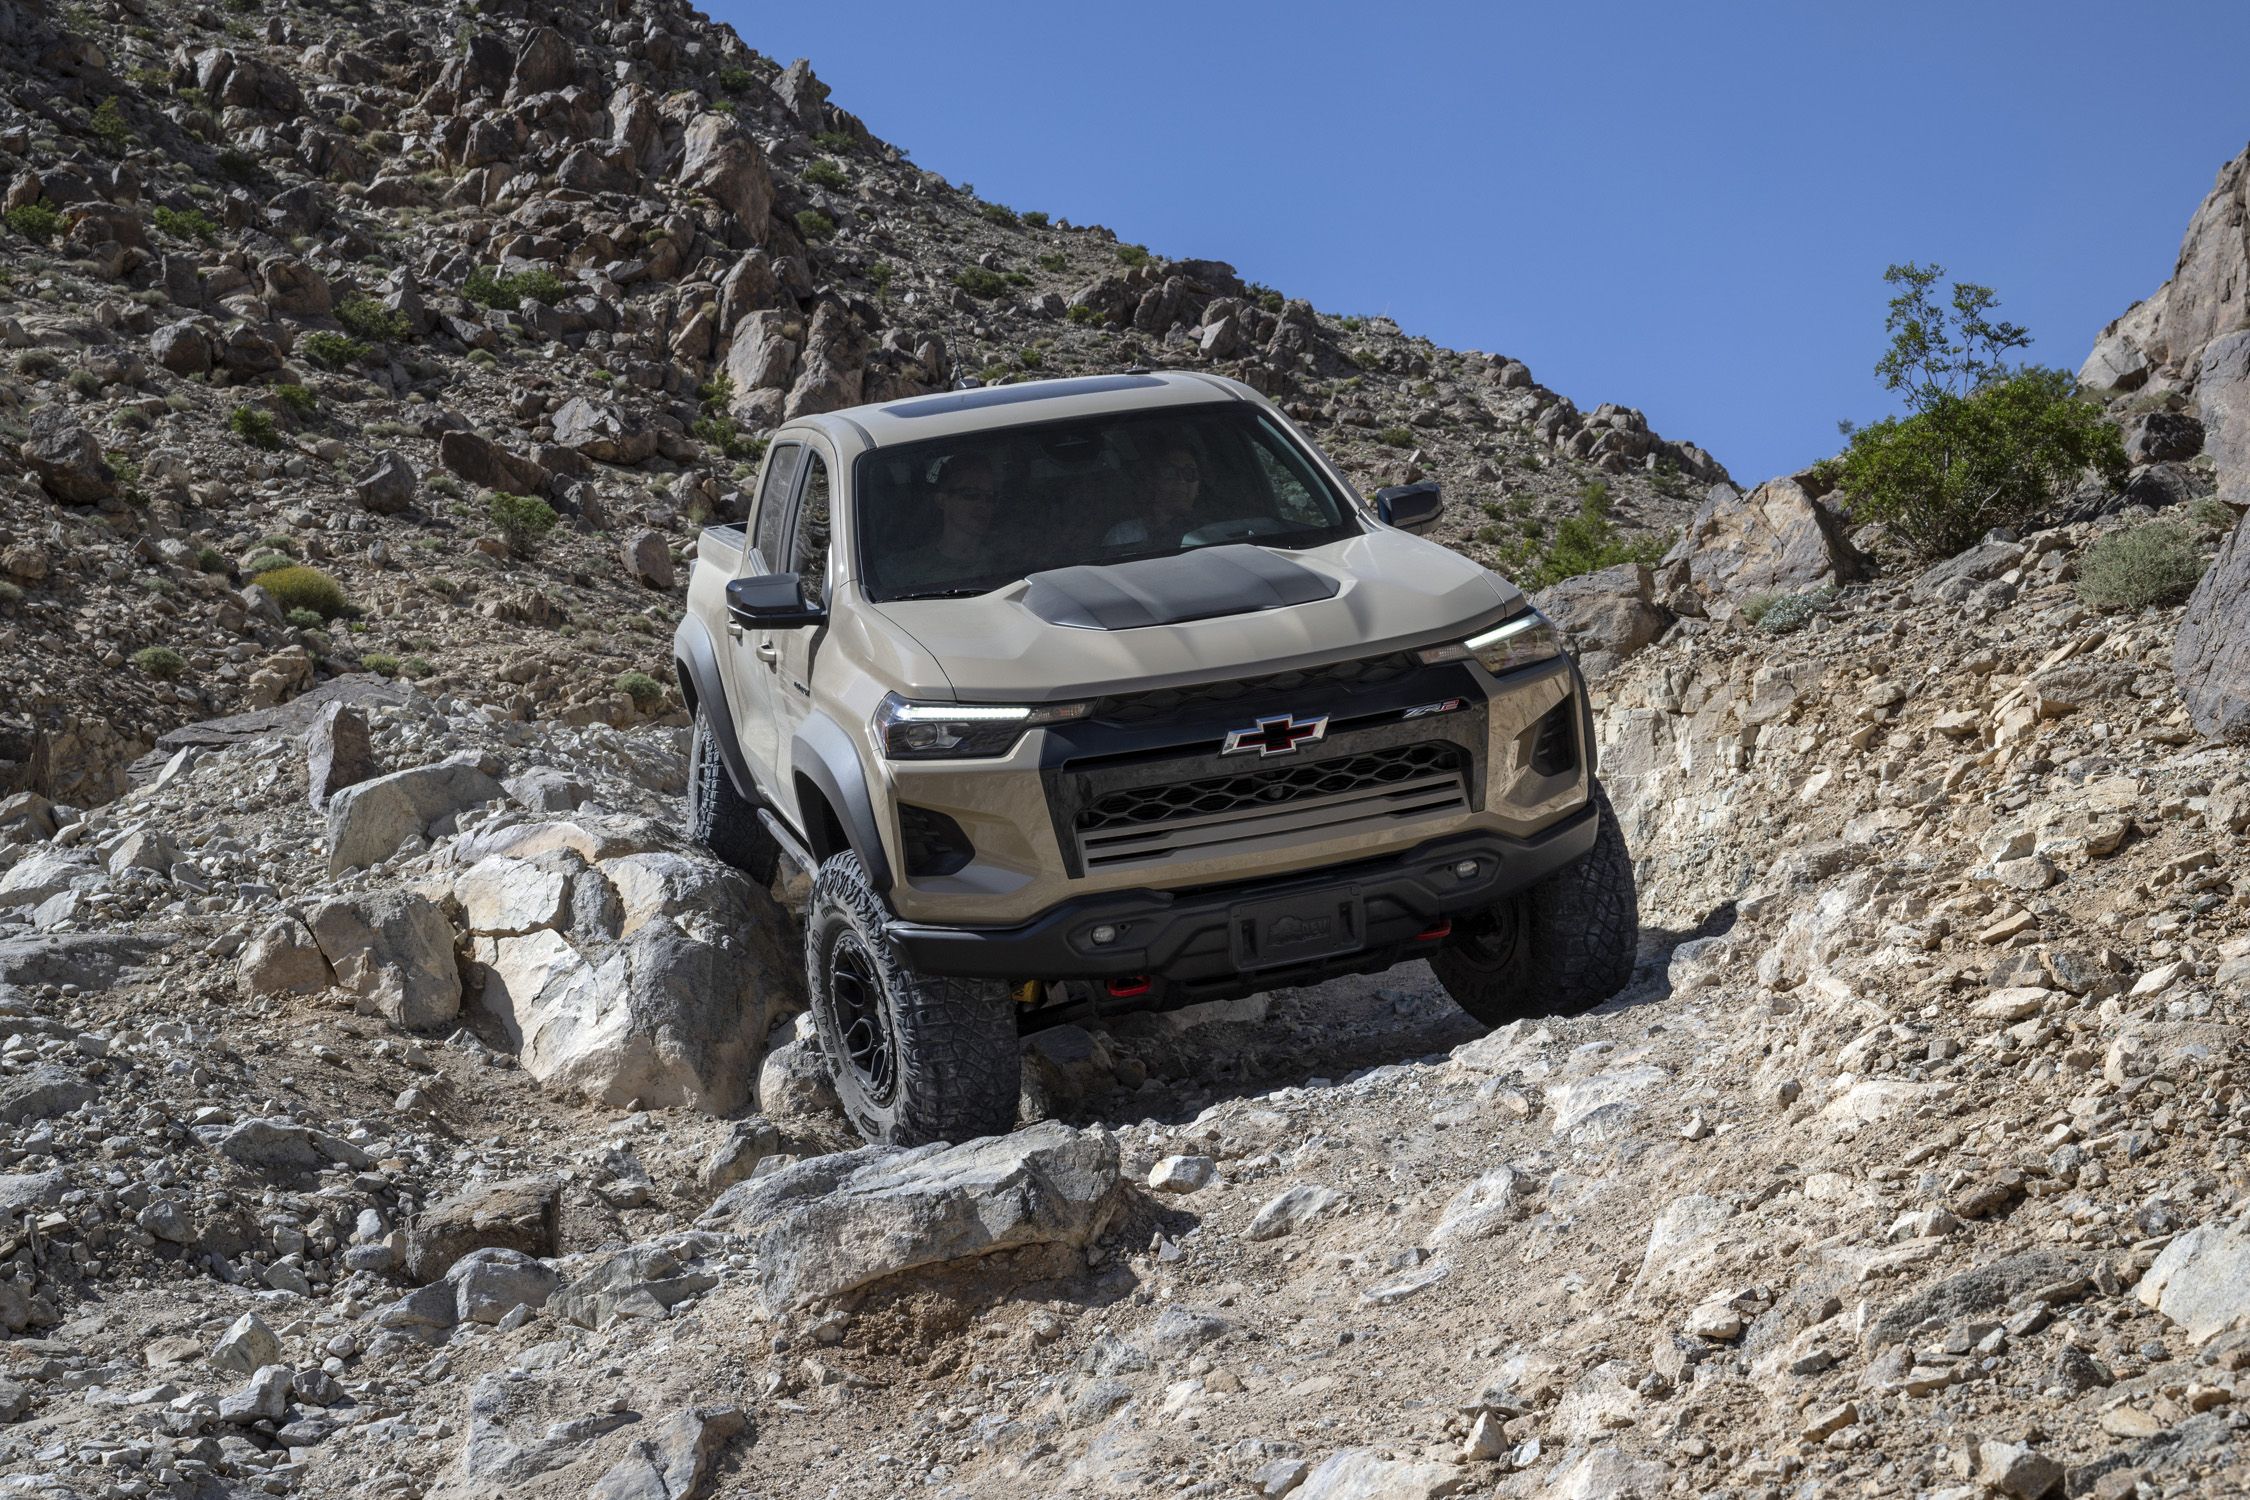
(1111, 692)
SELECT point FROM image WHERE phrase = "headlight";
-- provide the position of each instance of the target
(951, 731)
(1524, 641)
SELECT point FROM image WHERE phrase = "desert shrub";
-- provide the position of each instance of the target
(236, 166)
(1079, 312)
(2212, 514)
(298, 587)
(979, 282)
(1133, 255)
(645, 691)
(720, 430)
(521, 520)
(824, 173)
(1583, 543)
(998, 213)
(881, 273)
(255, 426)
(35, 221)
(838, 141)
(381, 663)
(1396, 437)
(304, 619)
(364, 317)
(1785, 614)
(2159, 563)
(84, 382)
(160, 662)
(185, 224)
(1035, 217)
(265, 561)
(1053, 260)
(735, 79)
(1983, 444)
(111, 128)
(814, 225)
(298, 401)
(489, 288)
(36, 363)
(416, 668)
(334, 351)
(11, 594)
(210, 560)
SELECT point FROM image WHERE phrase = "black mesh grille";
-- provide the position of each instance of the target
(1161, 703)
(1556, 749)
(1268, 789)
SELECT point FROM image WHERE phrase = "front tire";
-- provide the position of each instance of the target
(916, 1058)
(720, 818)
(1558, 949)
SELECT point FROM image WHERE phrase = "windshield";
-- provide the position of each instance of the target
(969, 514)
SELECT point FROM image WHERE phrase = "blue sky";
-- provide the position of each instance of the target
(1682, 207)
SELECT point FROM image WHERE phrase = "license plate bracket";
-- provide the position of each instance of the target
(1298, 929)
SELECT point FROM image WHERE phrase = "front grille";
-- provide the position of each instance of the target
(1235, 813)
(1172, 703)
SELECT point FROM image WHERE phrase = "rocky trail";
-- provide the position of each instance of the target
(394, 1103)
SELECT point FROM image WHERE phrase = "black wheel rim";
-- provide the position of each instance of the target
(861, 1019)
(1492, 941)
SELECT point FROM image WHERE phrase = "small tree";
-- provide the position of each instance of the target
(522, 520)
(1983, 444)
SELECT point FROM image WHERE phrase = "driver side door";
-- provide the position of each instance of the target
(805, 550)
(751, 654)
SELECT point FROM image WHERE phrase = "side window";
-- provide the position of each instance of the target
(808, 549)
(773, 503)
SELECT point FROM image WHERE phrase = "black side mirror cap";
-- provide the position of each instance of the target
(1410, 507)
(772, 601)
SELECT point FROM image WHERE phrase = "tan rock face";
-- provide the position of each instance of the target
(283, 959)
(2211, 656)
(721, 160)
(394, 950)
(1777, 539)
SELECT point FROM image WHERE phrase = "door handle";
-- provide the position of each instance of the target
(734, 631)
(768, 651)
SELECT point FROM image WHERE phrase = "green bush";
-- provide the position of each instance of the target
(298, 587)
(838, 141)
(210, 560)
(333, 351)
(488, 288)
(237, 166)
(381, 663)
(185, 224)
(720, 430)
(521, 520)
(417, 668)
(364, 317)
(979, 282)
(1053, 260)
(1133, 255)
(298, 401)
(1080, 312)
(1785, 614)
(111, 128)
(255, 426)
(998, 213)
(814, 225)
(2212, 514)
(304, 619)
(2159, 563)
(645, 691)
(1983, 444)
(1396, 437)
(1035, 217)
(824, 173)
(1584, 543)
(735, 80)
(160, 662)
(35, 221)
(265, 561)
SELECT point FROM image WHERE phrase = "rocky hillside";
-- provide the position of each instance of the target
(395, 1105)
(311, 284)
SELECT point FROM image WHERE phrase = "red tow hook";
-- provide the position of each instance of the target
(1131, 987)
(1441, 928)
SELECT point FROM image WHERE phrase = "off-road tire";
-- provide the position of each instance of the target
(720, 818)
(1561, 947)
(954, 1068)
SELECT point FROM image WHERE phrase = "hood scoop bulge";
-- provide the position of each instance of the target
(1198, 585)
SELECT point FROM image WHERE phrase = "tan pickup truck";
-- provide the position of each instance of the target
(1111, 692)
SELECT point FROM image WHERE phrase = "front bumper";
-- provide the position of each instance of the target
(1202, 944)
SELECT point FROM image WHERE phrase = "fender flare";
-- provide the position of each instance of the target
(1585, 722)
(822, 753)
(696, 659)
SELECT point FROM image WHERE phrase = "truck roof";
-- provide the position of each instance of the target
(883, 423)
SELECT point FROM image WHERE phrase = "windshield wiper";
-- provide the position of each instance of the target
(969, 592)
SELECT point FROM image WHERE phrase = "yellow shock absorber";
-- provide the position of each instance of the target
(1031, 992)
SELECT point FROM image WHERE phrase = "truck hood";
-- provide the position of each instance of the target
(1380, 591)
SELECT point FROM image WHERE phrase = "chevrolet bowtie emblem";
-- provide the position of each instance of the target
(1276, 736)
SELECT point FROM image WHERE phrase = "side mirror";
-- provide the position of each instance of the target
(1410, 507)
(772, 601)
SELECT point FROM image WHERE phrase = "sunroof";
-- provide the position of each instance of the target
(1012, 395)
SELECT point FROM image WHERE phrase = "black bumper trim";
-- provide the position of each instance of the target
(1188, 939)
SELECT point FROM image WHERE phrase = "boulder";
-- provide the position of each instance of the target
(721, 160)
(648, 561)
(389, 487)
(66, 458)
(394, 950)
(2222, 393)
(41, 1092)
(26, 818)
(2201, 1281)
(184, 347)
(761, 357)
(1778, 539)
(835, 362)
(44, 873)
(281, 1147)
(2162, 437)
(834, 1224)
(493, 1281)
(337, 752)
(673, 1460)
(247, 1345)
(2211, 653)
(368, 821)
(294, 289)
(522, 1214)
(1364, 1474)
(481, 461)
(1954, 580)
(283, 959)
(603, 433)
(543, 63)
(1608, 615)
